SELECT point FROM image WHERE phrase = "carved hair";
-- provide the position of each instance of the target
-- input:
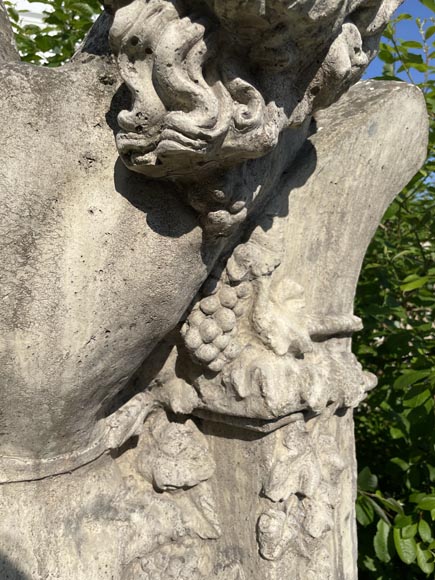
(194, 103)
(214, 82)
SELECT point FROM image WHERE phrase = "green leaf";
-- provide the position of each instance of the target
(387, 56)
(427, 503)
(409, 378)
(414, 284)
(425, 531)
(402, 521)
(404, 465)
(81, 8)
(406, 548)
(411, 44)
(416, 497)
(398, 19)
(425, 560)
(391, 211)
(416, 397)
(377, 509)
(429, 4)
(383, 542)
(369, 563)
(396, 433)
(367, 481)
(390, 503)
(364, 511)
(412, 58)
(409, 531)
(44, 43)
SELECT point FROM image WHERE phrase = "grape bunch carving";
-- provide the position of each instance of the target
(210, 332)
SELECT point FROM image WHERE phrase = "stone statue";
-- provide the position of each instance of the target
(185, 210)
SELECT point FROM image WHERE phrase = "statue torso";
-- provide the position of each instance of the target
(93, 276)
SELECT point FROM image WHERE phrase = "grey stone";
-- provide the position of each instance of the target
(184, 216)
(8, 49)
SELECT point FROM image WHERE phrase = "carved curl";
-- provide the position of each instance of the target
(192, 108)
(215, 82)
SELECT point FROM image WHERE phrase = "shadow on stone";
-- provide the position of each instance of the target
(9, 571)
(166, 214)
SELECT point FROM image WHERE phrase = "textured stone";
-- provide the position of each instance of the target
(177, 383)
(8, 49)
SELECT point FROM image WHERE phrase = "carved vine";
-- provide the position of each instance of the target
(302, 490)
(166, 475)
(257, 352)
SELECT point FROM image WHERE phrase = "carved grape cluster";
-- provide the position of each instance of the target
(211, 329)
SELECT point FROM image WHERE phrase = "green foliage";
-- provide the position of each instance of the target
(65, 24)
(395, 426)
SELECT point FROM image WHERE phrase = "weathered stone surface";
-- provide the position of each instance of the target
(8, 50)
(177, 383)
(85, 292)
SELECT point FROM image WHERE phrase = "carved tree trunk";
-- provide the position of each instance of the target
(177, 382)
(297, 498)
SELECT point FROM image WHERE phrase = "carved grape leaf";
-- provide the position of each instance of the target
(177, 456)
(275, 535)
(200, 514)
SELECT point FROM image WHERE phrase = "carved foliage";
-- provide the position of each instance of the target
(303, 489)
(264, 355)
(167, 491)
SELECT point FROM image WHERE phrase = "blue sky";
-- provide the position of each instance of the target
(407, 30)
